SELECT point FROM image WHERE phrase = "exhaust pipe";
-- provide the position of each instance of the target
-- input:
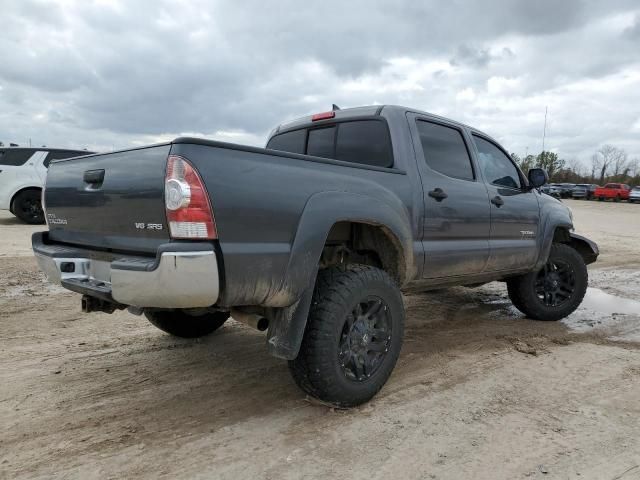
(252, 320)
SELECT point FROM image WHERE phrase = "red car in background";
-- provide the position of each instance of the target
(613, 191)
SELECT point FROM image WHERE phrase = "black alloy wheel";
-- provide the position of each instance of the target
(556, 290)
(555, 283)
(365, 339)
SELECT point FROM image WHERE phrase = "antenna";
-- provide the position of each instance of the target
(544, 131)
(334, 107)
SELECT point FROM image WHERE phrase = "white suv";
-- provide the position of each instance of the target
(634, 195)
(22, 176)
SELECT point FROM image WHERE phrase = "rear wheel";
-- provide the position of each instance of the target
(181, 324)
(617, 199)
(353, 335)
(555, 291)
(27, 207)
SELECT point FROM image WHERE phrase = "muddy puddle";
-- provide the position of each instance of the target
(603, 302)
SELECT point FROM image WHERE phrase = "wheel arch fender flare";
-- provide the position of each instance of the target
(561, 232)
(554, 217)
(321, 212)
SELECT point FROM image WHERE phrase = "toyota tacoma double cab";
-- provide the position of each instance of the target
(312, 238)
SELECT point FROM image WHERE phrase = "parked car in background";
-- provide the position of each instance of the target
(584, 190)
(613, 191)
(566, 189)
(22, 175)
(634, 195)
(552, 190)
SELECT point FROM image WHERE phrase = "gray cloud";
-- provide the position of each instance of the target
(112, 73)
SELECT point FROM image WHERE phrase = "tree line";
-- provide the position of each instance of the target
(607, 164)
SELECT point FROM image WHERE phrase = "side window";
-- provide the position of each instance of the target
(321, 142)
(364, 141)
(444, 150)
(293, 142)
(498, 169)
(16, 157)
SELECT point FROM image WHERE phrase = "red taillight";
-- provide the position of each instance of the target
(323, 116)
(187, 204)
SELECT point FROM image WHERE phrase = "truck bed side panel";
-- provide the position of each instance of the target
(258, 201)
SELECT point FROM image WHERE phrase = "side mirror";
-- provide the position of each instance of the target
(537, 177)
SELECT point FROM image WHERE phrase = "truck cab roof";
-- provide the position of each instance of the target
(365, 111)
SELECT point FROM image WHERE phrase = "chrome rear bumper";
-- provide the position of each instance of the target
(180, 278)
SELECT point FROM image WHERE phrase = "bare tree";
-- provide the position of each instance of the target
(611, 156)
(595, 165)
(575, 166)
(620, 166)
(634, 167)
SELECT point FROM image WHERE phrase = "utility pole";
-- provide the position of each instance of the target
(544, 131)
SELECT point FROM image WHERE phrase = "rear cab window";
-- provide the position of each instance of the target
(293, 142)
(365, 142)
(321, 142)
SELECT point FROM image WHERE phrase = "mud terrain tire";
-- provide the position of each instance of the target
(353, 335)
(556, 290)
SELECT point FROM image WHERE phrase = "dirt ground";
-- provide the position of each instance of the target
(479, 392)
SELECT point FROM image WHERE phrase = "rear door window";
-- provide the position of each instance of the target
(321, 142)
(16, 157)
(445, 150)
(293, 141)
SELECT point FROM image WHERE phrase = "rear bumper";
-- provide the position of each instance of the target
(182, 275)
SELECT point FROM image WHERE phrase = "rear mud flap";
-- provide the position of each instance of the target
(287, 325)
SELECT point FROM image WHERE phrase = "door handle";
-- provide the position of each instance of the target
(438, 194)
(497, 201)
(93, 176)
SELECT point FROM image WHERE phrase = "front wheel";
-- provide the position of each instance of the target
(555, 291)
(353, 335)
(180, 324)
(27, 207)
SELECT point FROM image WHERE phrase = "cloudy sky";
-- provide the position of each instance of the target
(110, 74)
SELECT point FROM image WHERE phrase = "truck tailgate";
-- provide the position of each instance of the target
(111, 201)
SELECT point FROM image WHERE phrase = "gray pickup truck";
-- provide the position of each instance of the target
(311, 238)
